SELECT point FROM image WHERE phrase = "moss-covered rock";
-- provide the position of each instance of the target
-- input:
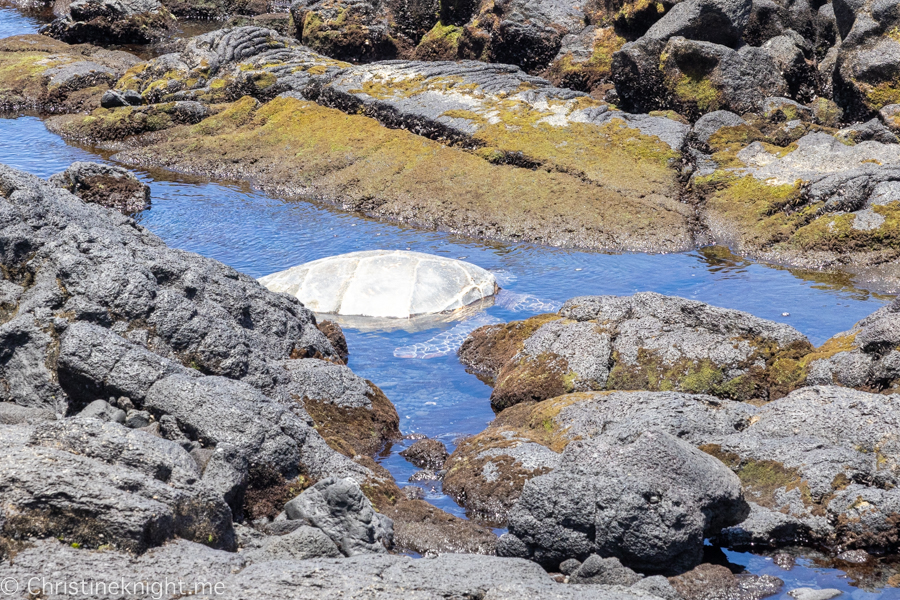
(296, 147)
(584, 63)
(104, 22)
(796, 205)
(642, 342)
(40, 73)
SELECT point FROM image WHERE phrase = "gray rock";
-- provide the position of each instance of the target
(397, 577)
(657, 585)
(137, 419)
(426, 454)
(632, 342)
(339, 508)
(78, 75)
(112, 22)
(115, 98)
(716, 21)
(794, 57)
(870, 130)
(91, 483)
(649, 502)
(106, 185)
(605, 571)
(302, 543)
(710, 123)
(100, 409)
(14, 414)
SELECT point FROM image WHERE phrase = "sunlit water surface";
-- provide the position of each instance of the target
(259, 235)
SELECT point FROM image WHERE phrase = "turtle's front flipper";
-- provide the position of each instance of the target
(516, 302)
(446, 342)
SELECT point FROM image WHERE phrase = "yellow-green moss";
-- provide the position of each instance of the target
(292, 143)
(22, 78)
(585, 75)
(698, 91)
(880, 95)
(442, 41)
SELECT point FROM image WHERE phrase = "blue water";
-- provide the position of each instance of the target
(259, 235)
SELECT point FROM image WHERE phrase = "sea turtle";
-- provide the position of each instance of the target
(395, 284)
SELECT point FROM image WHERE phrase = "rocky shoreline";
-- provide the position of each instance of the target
(166, 415)
(770, 136)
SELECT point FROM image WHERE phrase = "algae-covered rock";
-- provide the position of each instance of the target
(526, 33)
(106, 185)
(802, 460)
(118, 123)
(359, 164)
(584, 60)
(40, 73)
(112, 22)
(866, 357)
(641, 342)
(486, 472)
(819, 202)
(226, 64)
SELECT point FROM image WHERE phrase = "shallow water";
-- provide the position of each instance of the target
(259, 235)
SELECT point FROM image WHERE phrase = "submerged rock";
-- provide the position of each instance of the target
(106, 185)
(389, 284)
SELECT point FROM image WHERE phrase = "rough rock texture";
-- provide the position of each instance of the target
(496, 115)
(486, 473)
(426, 454)
(650, 502)
(707, 582)
(828, 201)
(866, 357)
(339, 508)
(40, 73)
(98, 484)
(106, 185)
(396, 577)
(646, 341)
(363, 29)
(817, 466)
(112, 22)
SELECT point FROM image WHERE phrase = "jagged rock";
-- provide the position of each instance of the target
(870, 130)
(794, 57)
(346, 30)
(566, 131)
(301, 543)
(486, 473)
(584, 59)
(649, 502)
(115, 99)
(124, 121)
(524, 33)
(716, 21)
(695, 77)
(335, 335)
(46, 75)
(96, 483)
(339, 508)
(709, 582)
(605, 571)
(107, 185)
(843, 193)
(101, 409)
(646, 341)
(771, 18)
(426, 454)
(710, 124)
(112, 22)
(14, 414)
(226, 64)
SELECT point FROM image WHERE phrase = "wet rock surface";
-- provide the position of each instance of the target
(109, 186)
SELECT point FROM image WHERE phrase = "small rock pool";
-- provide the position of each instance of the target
(435, 396)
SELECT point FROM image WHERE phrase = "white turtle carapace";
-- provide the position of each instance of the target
(385, 283)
